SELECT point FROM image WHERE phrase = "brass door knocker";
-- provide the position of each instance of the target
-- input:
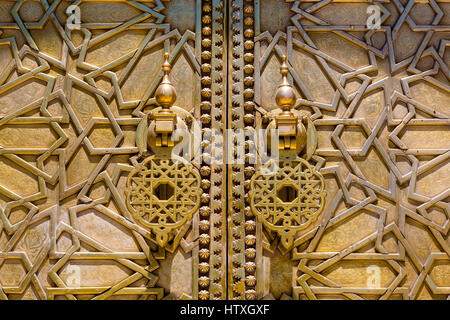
(291, 198)
(163, 191)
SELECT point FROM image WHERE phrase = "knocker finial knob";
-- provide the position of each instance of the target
(285, 95)
(166, 94)
(286, 121)
(165, 120)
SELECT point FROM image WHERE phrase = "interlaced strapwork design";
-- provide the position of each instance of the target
(288, 216)
(161, 215)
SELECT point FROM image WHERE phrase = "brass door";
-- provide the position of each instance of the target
(93, 207)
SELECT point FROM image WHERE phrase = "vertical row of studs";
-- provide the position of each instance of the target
(249, 123)
(205, 170)
(218, 197)
(212, 213)
(237, 178)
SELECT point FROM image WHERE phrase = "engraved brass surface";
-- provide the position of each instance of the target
(372, 108)
(378, 99)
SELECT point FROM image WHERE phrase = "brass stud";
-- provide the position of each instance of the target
(250, 266)
(250, 294)
(250, 281)
(204, 267)
(250, 225)
(250, 240)
(204, 225)
(203, 281)
(206, 19)
(205, 171)
(206, 184)
(203, 295)
(205, 211)
(250, 253)
(204, 253)
(204, 198)
(204, 238)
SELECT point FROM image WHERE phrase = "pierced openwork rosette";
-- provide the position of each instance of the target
(288, 200)
(162, 195)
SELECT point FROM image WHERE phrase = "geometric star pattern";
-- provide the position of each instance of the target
(292, 213)
(71, 100)
(155, 213)
(387, 179)
(60, 239)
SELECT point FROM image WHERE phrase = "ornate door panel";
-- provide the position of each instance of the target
(93, 207)
(375, 103)
(88, 208)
